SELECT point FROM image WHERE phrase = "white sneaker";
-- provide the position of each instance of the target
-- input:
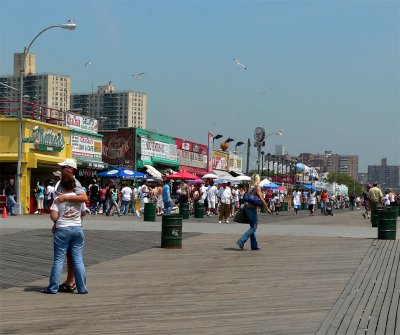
(219, 222)
(227, 221)
(37, 212)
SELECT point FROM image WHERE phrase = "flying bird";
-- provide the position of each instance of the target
(71, 21)
(89, 62)
(138, 75)
(237, 61)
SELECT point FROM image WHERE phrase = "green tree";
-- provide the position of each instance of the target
(341, 178)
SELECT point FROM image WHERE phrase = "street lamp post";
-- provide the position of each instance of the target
(238, 144)
(216, 137)
(69, 26)
(262, 162)
(278, 133)
(268, 156)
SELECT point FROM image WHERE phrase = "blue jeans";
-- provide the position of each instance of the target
(10, 203)
(323, 206)
(72, 238)
(251, 214)
(125, 207)
(167, 207)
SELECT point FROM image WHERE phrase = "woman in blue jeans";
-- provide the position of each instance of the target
(251, 213)
(68, 236)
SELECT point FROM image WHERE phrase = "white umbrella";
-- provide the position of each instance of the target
(210, 176)
(243, 178)
(264, 182)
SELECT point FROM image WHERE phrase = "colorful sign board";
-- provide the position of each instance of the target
(220, 160)
(46, 140)
(83, 123)
(86, 147)
(151, 148)
(191, 154)
(235, 162)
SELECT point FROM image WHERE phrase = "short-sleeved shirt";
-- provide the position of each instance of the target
(126, 193)
(77, 190)
(69, 213)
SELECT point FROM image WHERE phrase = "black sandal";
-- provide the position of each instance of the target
(46, 291)
(66, 288)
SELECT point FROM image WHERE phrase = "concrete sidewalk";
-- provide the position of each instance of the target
(288, 287)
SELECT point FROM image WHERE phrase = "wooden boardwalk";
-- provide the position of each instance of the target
(294, 285)
(370, 302)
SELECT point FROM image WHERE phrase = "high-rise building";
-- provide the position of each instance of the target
(113, 109)
(330, 162)
(385, 175)
(46, 89)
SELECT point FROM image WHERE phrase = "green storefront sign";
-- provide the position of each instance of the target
(47, 140)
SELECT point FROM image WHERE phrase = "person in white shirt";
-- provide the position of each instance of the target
(50, 191)
(68, 237)
(211, 198)
(311, 201)
(235, 200)
(203, 193)
(126, 194)
(296, 200)
(144, 195)
(225, 197)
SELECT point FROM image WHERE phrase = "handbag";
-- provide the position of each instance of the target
(240, 216)
(252, 198)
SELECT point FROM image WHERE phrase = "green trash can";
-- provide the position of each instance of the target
(387, 223)
(199, 210)
(171, 232)
(149, 212)
(303, 206)
(184, 211)
(284, 207)
(263, 209)
(374, 215)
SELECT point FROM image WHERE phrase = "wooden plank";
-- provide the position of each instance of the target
(353, 282)
(385, 324)
(362, 282)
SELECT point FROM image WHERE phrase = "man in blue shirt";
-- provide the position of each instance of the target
(166, 197)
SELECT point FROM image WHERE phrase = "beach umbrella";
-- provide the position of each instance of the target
(243, 178)
(264, 182)
(271, 186)
(182, 176)
(123, 173)
(210, 176)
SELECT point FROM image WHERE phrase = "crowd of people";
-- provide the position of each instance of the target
(68, 201)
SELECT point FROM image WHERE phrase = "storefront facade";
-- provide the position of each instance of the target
(156, 150)
(86, 145)
(44, 145)
(193, 157)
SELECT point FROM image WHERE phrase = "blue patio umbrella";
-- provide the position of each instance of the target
(123, 173)
(271, 186)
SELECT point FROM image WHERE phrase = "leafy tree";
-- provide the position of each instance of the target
(341, 178)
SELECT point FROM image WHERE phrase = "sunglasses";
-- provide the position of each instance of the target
(65, 167)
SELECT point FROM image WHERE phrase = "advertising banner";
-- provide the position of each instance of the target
(191, 154)
(220, 160)
(235, 162)
(151, 148)
(83, 123)
(86, 147)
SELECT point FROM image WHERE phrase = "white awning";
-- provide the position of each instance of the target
(151, 170)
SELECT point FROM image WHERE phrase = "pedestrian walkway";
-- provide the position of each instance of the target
(298, 283)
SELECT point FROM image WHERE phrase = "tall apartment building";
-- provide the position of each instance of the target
(385, 175)
(47, 89)
(113, 109)
(330, 162)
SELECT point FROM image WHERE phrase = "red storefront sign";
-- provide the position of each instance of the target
(192, 156)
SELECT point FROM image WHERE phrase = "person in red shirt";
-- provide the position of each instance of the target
(324, 199)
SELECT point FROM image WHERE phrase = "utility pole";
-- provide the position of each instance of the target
(248, 157)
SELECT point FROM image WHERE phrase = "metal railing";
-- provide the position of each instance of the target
(33, 111)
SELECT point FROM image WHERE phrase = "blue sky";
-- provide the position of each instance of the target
(324, 72)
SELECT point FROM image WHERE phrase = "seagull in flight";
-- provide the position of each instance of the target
(237, 61)
(89, 62)
(71, 21)
(138, 75)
